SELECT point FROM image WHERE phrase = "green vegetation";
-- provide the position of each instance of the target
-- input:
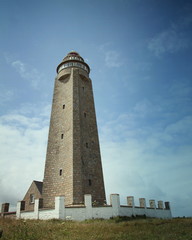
(117, 228)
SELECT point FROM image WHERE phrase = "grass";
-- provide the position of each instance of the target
(117, 228)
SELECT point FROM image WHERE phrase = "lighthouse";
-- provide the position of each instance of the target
(73, 164)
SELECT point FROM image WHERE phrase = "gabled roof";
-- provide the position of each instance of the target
(39, 185)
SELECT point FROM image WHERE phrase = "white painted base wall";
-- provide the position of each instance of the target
(89, 212)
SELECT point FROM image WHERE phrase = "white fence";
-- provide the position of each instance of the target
(88, 211)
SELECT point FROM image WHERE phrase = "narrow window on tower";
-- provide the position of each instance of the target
(86, 145)
(85, 115)
(82, 161)
(83, 89)
(90, 183)
(60, 172)
(62, 135)
(63, 106)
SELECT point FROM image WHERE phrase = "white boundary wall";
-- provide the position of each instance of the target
(80, 213)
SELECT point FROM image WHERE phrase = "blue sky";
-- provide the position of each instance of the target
(140, 54)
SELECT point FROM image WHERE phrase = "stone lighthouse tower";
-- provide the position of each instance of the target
(73, 162)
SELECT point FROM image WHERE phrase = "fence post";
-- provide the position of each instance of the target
(88, 206)
(60, 207)
(115, 202)
(131, 203)
(152, 204)
(18, 212)
(160, 204)
(36, 209)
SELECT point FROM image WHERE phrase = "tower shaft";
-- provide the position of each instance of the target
(73, 162)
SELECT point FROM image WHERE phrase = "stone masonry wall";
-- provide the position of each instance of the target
(59, 159)
(87, 168)
(73, 162)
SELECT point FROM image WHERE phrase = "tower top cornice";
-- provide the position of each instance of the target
(72, 59)
(73, 55)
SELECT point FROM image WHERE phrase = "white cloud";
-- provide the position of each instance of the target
(183, 126)
(145, 107)
(42, 110)
(20, 121)
(113, 59)
(23, 147)
(6, 95)
(168, 41)
(172, 39)
(148, 160)
(28, 72)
